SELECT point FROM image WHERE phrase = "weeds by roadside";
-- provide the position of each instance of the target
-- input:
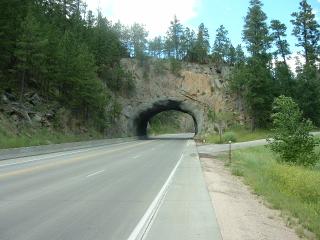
(238, 135)
(42, 137)
(292, 189)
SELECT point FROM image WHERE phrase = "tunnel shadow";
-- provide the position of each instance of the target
(140, 122)
(182, 136)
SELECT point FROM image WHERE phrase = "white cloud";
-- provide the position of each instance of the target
(154, 14)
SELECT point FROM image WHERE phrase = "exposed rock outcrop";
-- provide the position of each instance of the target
(195, 90)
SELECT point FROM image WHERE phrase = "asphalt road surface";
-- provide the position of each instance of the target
(98, 193)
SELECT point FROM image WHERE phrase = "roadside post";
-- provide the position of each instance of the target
(230, 152)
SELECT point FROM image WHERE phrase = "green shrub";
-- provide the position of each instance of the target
(292, 189)
(159, 67)
(298, 181)
(229, 136)
(290, 137)
(175, 66)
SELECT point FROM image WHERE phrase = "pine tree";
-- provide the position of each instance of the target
(30, 52)
(278, 35)
(202, 45)
(174, 38)
(12, 14)
(307, 31)
(284, 79)
(221, 45)
(255, 33)
(307, 93)
(188, 44)
(231, 55)
(78, 84)
(240, 56)
(285, 83)
(156, 47)
(139, 41)
(259, 85)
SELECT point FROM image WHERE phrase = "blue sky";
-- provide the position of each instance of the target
(157, 14)
(231, 13)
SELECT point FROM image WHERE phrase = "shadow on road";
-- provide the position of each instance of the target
(180, 136)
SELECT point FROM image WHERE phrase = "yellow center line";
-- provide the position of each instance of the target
(65, 162)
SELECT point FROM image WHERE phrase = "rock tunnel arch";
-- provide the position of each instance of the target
(141, 117)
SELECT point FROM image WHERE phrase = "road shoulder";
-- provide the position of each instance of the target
(241, 214)
(186, 212)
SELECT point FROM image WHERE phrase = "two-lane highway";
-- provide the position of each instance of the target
(98, 193)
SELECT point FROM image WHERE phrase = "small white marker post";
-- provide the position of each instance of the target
(230, 152)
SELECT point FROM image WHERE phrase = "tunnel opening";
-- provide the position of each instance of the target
(171, 123)
(145, 114)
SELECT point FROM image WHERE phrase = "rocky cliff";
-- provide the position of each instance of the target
(204, 85)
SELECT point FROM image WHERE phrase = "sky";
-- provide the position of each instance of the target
(157, 14)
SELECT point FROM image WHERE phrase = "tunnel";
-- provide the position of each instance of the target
(145, 112)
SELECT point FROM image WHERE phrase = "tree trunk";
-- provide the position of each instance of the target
(252, 124)
(22, 85)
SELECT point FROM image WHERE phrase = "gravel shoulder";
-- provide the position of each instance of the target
(241, 214)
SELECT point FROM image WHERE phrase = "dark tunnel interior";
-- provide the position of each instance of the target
(141, 121)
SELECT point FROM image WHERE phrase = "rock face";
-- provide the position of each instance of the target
(195, 90)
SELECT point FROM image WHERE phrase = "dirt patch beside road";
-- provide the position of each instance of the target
(241, 214)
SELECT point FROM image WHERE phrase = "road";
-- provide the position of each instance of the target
(98, 193)
(212, 149)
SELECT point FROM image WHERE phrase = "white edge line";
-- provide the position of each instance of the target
(95, 173)
(142, 225)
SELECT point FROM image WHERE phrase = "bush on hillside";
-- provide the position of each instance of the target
(291, 137)
(229, 136)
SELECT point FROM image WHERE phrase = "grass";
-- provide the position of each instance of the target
(240, 135)
(294, 190)
(9, 138)
(41, 137)
(158, 130)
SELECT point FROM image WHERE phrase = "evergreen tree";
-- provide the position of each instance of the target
(174, 38)
(78, 85)
(29, 52)
(285, 83)
(156, 47)
(59, 49)
(105, 44)
(202, 45)
(259, 85)
(12, 13)
(168, 48)
(232, 55)
(307, 93)
(240, 56)
(278, 35)
(284, 79)
(307, 31)
(124, 35)
(188, 44)
(238, 77)
(255, 33)
(138, 40)
(221, 46)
